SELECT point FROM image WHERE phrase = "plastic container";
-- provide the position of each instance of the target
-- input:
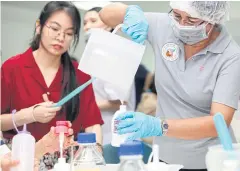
(117, 139)
(87, 157)
(23, 149)
(112, 58)
(131, 156)
(61, 130)
(3, 148)
(62, 165)
(218, 159)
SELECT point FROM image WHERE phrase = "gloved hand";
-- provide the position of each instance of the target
(135, 24)
(139, 124)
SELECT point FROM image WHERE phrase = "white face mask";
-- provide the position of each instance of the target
(189, 34)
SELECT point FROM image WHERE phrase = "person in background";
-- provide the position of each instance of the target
(48, 144)
(107, 96)
(197, 75)
(31, 82)
(142, 82)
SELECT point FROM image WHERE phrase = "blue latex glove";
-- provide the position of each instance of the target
(135, 24)
(139, 124)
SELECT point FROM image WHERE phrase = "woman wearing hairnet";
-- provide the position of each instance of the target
(197, 75)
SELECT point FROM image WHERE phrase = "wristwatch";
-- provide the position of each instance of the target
(165, 127)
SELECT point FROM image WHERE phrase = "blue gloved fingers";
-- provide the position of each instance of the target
(130, 31)
(141, 39)
(124, 116)
(125, 123)
(127, 130)
(124, 28)
(136, 35)
(134, 29)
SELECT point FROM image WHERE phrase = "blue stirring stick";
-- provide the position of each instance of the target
(223, 132)
(73, 93)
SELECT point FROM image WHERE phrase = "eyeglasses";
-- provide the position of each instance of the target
(189, 22)
(55, 31)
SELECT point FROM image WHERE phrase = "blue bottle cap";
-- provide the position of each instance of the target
(86, 138)
(131, 148)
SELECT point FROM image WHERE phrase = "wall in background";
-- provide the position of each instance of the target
(18, 19)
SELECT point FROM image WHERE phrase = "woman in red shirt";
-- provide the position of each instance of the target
(44, 74)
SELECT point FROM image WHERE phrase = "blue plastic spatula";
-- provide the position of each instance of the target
(223, 132)
(73, 93)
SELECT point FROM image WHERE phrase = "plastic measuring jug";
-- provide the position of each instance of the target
(112, 58)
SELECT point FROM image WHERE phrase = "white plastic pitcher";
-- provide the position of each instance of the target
(112, 58)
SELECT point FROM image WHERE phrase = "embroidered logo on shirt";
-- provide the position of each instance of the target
(201, 68)
(170, 51)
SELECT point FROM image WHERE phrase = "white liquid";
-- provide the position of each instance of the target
(61, 141)
(122, 102)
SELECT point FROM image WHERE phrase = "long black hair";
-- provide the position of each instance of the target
(69, 81)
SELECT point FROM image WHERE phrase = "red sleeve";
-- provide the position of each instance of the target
(89, 112)
(5, 88)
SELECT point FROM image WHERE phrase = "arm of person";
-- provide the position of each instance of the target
(198, 128)
(111, 101)
(113, 14)
(148, 81)
(225, 100)
(21, 117)
(109, 105)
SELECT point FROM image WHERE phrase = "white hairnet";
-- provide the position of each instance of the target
(211, 11)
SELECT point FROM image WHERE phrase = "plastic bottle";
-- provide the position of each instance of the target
(117, 139)
(3, 148)
(87, 157)
(61, 130)
(23, 149)
(131, 155)
(62, 165)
